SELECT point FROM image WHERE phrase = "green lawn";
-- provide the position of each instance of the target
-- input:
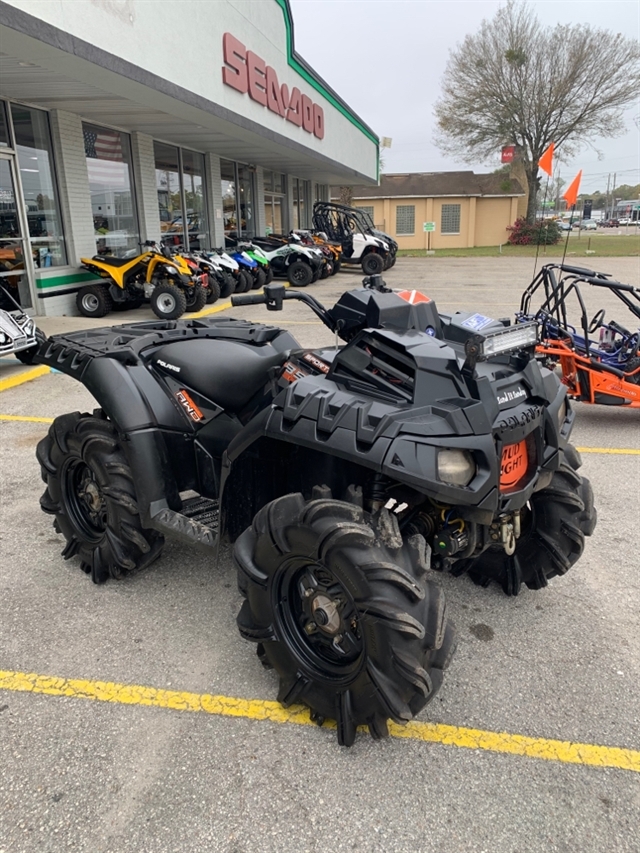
(596, 244)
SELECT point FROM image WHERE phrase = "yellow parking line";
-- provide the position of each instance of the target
(26, 418)
(213, 310)
(618, 451)
(24, 376)
(257, 709)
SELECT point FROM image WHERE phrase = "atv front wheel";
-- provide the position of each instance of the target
(259, 279)
(269, 275)
(196, 298)
(228, 285)
(94, 300)
(554, 526)
(168, 302)
(299, 274)
(341, 608)
(213, 290)
(90, 492)
(372, 264)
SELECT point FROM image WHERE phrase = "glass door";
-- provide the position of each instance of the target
(16, 261)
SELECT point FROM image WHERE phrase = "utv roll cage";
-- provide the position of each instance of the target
(339, 221)
(558, 288)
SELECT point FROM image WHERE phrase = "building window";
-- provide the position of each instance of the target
(180, 187)
(274, 184)
(405, 219)
(237, 198)
(301, 195)
(35, 161)
(115, 222)
(320, 192)
(4, 128)
(450, 219)
(367, 209)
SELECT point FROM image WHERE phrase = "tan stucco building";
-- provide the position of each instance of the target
(467, 209)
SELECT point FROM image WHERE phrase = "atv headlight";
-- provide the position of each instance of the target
(172, 270)
(456, 467)
(28, 327)
(512, 338)
(562, 413)
(3, 338)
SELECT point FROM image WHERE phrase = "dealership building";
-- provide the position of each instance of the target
(123, 121)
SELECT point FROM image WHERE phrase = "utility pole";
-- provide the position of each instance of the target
(613, 195)
(606, 199)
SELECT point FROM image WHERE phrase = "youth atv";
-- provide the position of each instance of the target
(166, 280)
(342, 475)
(288, 258)
(353, 228)
(604, 371)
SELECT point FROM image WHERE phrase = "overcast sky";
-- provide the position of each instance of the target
(386, 59)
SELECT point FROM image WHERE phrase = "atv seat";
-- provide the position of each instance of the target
(226, 372)
(112, 261)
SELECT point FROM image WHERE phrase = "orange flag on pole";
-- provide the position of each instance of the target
(571, 195)
(546, 161)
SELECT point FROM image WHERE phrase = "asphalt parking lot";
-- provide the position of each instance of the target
(133, 717)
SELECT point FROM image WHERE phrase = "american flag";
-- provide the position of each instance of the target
(105, 160)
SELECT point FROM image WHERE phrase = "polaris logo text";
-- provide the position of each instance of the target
(168, 366)
(246, 72)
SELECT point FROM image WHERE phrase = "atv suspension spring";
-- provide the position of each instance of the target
(377, 492)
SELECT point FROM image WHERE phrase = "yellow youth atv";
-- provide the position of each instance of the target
(166, 280)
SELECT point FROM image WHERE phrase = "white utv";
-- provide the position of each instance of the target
(353, 228)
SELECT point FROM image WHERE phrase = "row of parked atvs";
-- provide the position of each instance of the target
(175, 282)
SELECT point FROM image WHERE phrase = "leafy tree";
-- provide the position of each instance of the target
(517, 82)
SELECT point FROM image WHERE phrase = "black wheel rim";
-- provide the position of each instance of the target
(318, 619)
(300, 275)
(84, 500)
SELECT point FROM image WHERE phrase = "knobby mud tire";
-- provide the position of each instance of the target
(392, 616)
(117, 544)
(552, 541)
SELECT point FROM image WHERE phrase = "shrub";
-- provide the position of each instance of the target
(543, 232)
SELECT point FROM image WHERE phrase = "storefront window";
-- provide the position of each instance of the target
(115, 223)
(193, 179)
(274, 184)
(4, 128)
(169, 195)
(228, 179)
(301, 192)
(237, 198)
(245, 200)
(35, 161)
(175, 196)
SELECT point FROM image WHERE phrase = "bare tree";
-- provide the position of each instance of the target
(516, 82)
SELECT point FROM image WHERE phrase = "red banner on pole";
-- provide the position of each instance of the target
(508, 153)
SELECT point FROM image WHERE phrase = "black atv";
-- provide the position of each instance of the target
(343, 475)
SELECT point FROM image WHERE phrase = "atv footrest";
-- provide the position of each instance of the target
(197, 523)
(202, 510)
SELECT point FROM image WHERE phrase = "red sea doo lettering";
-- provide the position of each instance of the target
(246, 72)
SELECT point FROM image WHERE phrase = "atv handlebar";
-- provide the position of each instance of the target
(273, 296)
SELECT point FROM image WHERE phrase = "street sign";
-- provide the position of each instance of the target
(428, 226)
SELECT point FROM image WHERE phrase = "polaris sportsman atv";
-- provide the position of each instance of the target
(353, 228)
(342, 475)
(605, 371)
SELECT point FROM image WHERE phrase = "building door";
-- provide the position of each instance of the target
(16, 261)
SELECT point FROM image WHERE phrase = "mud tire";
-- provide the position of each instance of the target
(110, 542)
(392, 620)
(196, 298)
(372, 264)
(560, 518)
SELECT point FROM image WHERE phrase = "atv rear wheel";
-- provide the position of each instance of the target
(299, 274)
(247, 281)
(94, 300)
(213, 290)
(259, 279)
(228, 285)
(90, 492)
(553, 532)
(372, 264)
(336, 266)
(196, 298)
(269, 274)
(341, 608)
(168, 302)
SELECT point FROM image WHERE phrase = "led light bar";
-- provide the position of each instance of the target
(512, 338)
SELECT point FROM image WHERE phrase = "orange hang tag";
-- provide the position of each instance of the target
(413, 296)
(513, 467)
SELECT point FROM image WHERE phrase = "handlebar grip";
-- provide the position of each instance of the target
(248, 299)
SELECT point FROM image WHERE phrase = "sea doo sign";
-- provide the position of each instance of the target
(246, 72)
